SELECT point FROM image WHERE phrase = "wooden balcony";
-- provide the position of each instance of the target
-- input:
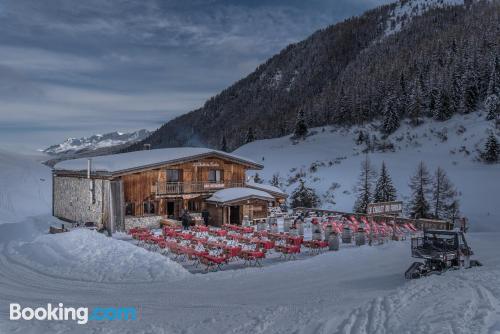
(178, 188)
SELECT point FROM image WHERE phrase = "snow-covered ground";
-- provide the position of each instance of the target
(355, 290)
(331, 156)
(25, 186)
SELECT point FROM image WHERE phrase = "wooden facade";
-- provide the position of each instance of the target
(195, 182)
(156, 190)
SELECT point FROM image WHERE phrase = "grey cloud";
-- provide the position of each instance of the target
(101, 65)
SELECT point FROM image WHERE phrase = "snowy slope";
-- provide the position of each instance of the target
(336, 159)
(25, 186)
(406, 10)
(95, 142)
(356, 290)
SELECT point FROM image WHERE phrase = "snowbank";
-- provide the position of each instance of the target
(91, 256)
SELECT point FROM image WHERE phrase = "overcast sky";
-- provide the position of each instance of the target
(72, 68)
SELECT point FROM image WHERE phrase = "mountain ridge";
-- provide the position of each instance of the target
(354, 72)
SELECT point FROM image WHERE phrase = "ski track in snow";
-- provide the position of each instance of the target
(471, 306)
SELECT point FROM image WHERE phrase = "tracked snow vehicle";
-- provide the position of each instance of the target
(441, 251)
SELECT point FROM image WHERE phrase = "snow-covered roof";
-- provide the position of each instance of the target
(123, 162)
(266, 187)
(237, 194)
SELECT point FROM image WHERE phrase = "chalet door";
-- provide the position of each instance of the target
(234, 215)
(170, 208)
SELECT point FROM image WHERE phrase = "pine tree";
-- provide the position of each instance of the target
(403, 95)
(250, 137)
(492, 106)
(257, 179)
(364, 187)
(303, 196)
(276, 180)
(301, 125)
(470, 89)
(361, 137)
(419, 186)
(443, 111)
(491, 149)
(443, 195)
(384, 190)
(391, 117)
(223, 144)
(456, 92)
(433, 101)
(343, 103)
(415, 106)
(494, 82)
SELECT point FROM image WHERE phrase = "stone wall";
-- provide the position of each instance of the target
(73, 200)
(145, 221)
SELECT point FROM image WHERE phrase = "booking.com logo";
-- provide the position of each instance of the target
(81, 314)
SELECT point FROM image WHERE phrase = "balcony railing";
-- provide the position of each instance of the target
(174, 188)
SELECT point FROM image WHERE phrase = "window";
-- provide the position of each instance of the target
(129, 209)
(214, 175)
(173, 175)
(149, 208)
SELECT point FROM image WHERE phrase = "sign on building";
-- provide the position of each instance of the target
(385, 208)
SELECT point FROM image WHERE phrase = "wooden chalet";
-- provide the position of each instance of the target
(140, 188)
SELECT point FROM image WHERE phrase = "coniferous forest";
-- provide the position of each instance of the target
(440, 63)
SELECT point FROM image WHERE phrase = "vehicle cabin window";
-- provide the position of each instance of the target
(215, 175)
(173, 175)
(129, 209)
(149, 208)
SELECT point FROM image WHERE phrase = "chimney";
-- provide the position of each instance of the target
(89, 167)
(146, 147)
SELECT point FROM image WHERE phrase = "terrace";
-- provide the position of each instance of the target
(177, 188)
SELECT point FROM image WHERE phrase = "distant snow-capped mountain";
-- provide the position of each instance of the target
(74, 145)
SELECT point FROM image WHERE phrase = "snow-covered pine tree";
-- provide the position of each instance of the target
(415, 105)
(403, 95)
(303, 196)
(301, 125)
(492, 101)
(343, 103)
(491, 149)
(364, 187)
(444, 195)
(257, 178)
(276, 180)
(443, 110)
(361, 137)
(470, 89)
(494, 82)
(384, 190)
(223, 144)
(492, 106)
(420, 189)
(433, 99)
(391, 116)
(250, 137)
(456, 91)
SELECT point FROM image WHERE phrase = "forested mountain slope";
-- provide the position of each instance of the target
(411, 59)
